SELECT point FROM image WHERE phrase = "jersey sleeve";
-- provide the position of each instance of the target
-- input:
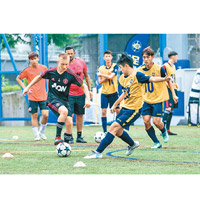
(85, 69)
(45, 74)
(23, 74)
(163, 72)
(142, 78)
(76, 80)
(115, 70)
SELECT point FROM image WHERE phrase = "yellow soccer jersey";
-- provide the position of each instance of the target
(154, 92)
(109, 86)
(132, 88)
(171, 71)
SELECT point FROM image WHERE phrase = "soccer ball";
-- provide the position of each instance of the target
(63, 149)
(99, 136)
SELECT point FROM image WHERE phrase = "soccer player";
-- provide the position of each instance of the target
(170, 104)
(37, 95)
(60, 79)
(107, 76)
(131, 108)
(77, 96)
(154, 95)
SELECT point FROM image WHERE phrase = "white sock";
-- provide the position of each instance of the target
(35, 131)
(42, 128)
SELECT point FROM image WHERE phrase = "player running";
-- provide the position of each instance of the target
(131, 106)
(60, 79)
(154, 95)
(109, 93)
(77, 96)
(170, 104)
(37, 96)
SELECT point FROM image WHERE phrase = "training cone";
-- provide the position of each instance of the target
(79, 164)
(7, 155)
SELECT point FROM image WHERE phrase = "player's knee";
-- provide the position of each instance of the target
(104, 112)
(156, 122)
(114, 128)
(34, 115)
(45, 114)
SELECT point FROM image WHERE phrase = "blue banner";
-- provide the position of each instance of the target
(135, 46)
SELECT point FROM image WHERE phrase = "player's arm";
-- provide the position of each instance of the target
(101, 79)
(88, 81)
(33, 82)
(109, 77)
(118, 101)
(87, 96)
(18, 79)
(170, 84)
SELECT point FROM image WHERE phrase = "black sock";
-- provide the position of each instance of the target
(152, 135)
(163, 130)
(59, 127)
(79, 134)
(105, 142)
(165, 117)
(169, 121)
(126, 138)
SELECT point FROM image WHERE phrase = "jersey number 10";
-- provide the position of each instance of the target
(149, 87)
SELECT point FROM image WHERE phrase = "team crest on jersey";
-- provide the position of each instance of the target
(136, 46)
(57, 104)
(153, 74)
(65, 81)
(53, 79)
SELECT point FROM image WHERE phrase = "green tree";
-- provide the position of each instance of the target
(60, 40)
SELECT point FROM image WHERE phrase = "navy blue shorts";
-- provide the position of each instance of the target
(126, 117)
(109, 99)
(77, 103)
(33, 106)
(155, 110)
(55, 104)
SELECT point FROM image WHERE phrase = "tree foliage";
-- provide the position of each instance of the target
(60, 40)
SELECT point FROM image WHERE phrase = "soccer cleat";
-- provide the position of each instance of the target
(94, 154)
(37, 138)
(68, 139)
(156, 145)
(43, 136)
(80, 140)
(131, 148)
(170, 133)
(58, 140)
(165, 136)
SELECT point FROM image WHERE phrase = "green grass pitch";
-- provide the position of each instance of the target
(181, 155)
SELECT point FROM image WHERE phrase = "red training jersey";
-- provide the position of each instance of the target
(38, 90)
(79, 67)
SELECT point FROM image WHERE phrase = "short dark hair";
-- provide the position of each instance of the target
(68, 48)
(32, 55)
(149, 51)
(172, 53)
(125, 59)
(108, 52)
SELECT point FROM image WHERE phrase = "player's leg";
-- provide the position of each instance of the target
(146, 114)
(33, 109)
(157, 113)
(68, 137)
(111, 100)
(104, 105)
(79, 111)
(45, 113)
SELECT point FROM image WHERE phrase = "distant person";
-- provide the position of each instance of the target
(60, 79)
(131, 106)
(37, 95)
(77, 96)
(107, 75)
(170, 104)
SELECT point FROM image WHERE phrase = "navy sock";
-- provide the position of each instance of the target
(104, 124)
(169, 121)
(105, 142)
(165, 117)
(126, 138)
(163, 130)
(59, 128)
(79, 134)
(152, 135)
